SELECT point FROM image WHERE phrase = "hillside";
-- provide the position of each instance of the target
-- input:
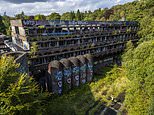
(127, 89)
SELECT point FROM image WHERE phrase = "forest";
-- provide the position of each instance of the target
(20, 94)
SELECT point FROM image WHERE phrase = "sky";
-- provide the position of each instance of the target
(46, 7)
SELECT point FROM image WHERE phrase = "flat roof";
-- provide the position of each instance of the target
(67, 22)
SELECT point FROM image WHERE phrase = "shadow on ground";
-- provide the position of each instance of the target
(85, 100)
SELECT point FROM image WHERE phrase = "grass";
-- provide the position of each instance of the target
(90, 97)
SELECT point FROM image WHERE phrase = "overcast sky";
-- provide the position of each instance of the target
(32, 7)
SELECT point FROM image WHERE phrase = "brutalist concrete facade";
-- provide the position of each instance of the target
(60, 39)
(21, 59)
(63, 39)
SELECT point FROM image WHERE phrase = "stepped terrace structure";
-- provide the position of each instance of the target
(63, 39)
(21, 59)
(3, 47)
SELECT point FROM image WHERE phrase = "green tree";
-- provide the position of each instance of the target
(54, 16)
(20, 16)
(34, 48)
(140, 72)
(107, 13)
(72, 15)
(146, 28)
(78, 15)
(88, 16)
(2, 26)
(39, 17)
(97, 14)
(6, 21)
(128, 51)
(19, 93)
(27, 17)
(123, 15)
(66, 16)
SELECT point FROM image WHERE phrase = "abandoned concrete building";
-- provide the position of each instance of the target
(61, 40)
(3, 47)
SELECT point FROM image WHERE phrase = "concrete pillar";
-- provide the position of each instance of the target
(57, 44)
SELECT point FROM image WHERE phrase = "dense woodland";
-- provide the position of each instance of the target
(19, 94)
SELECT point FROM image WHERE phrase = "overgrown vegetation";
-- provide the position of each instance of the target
(139, 66)
(34, 49)
(135, 78)
(19, 94)
(84, 98)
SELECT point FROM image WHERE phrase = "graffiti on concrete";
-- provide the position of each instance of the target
(58, 76)
(89, 72)
(76, 74)
(67, 75)
(83, 74)
(63, 22)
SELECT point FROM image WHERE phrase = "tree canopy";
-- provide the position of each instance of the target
(139, 66)
(19, 93)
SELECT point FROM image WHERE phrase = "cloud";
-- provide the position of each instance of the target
(24, 1)
(32, 7)
(29, 1)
